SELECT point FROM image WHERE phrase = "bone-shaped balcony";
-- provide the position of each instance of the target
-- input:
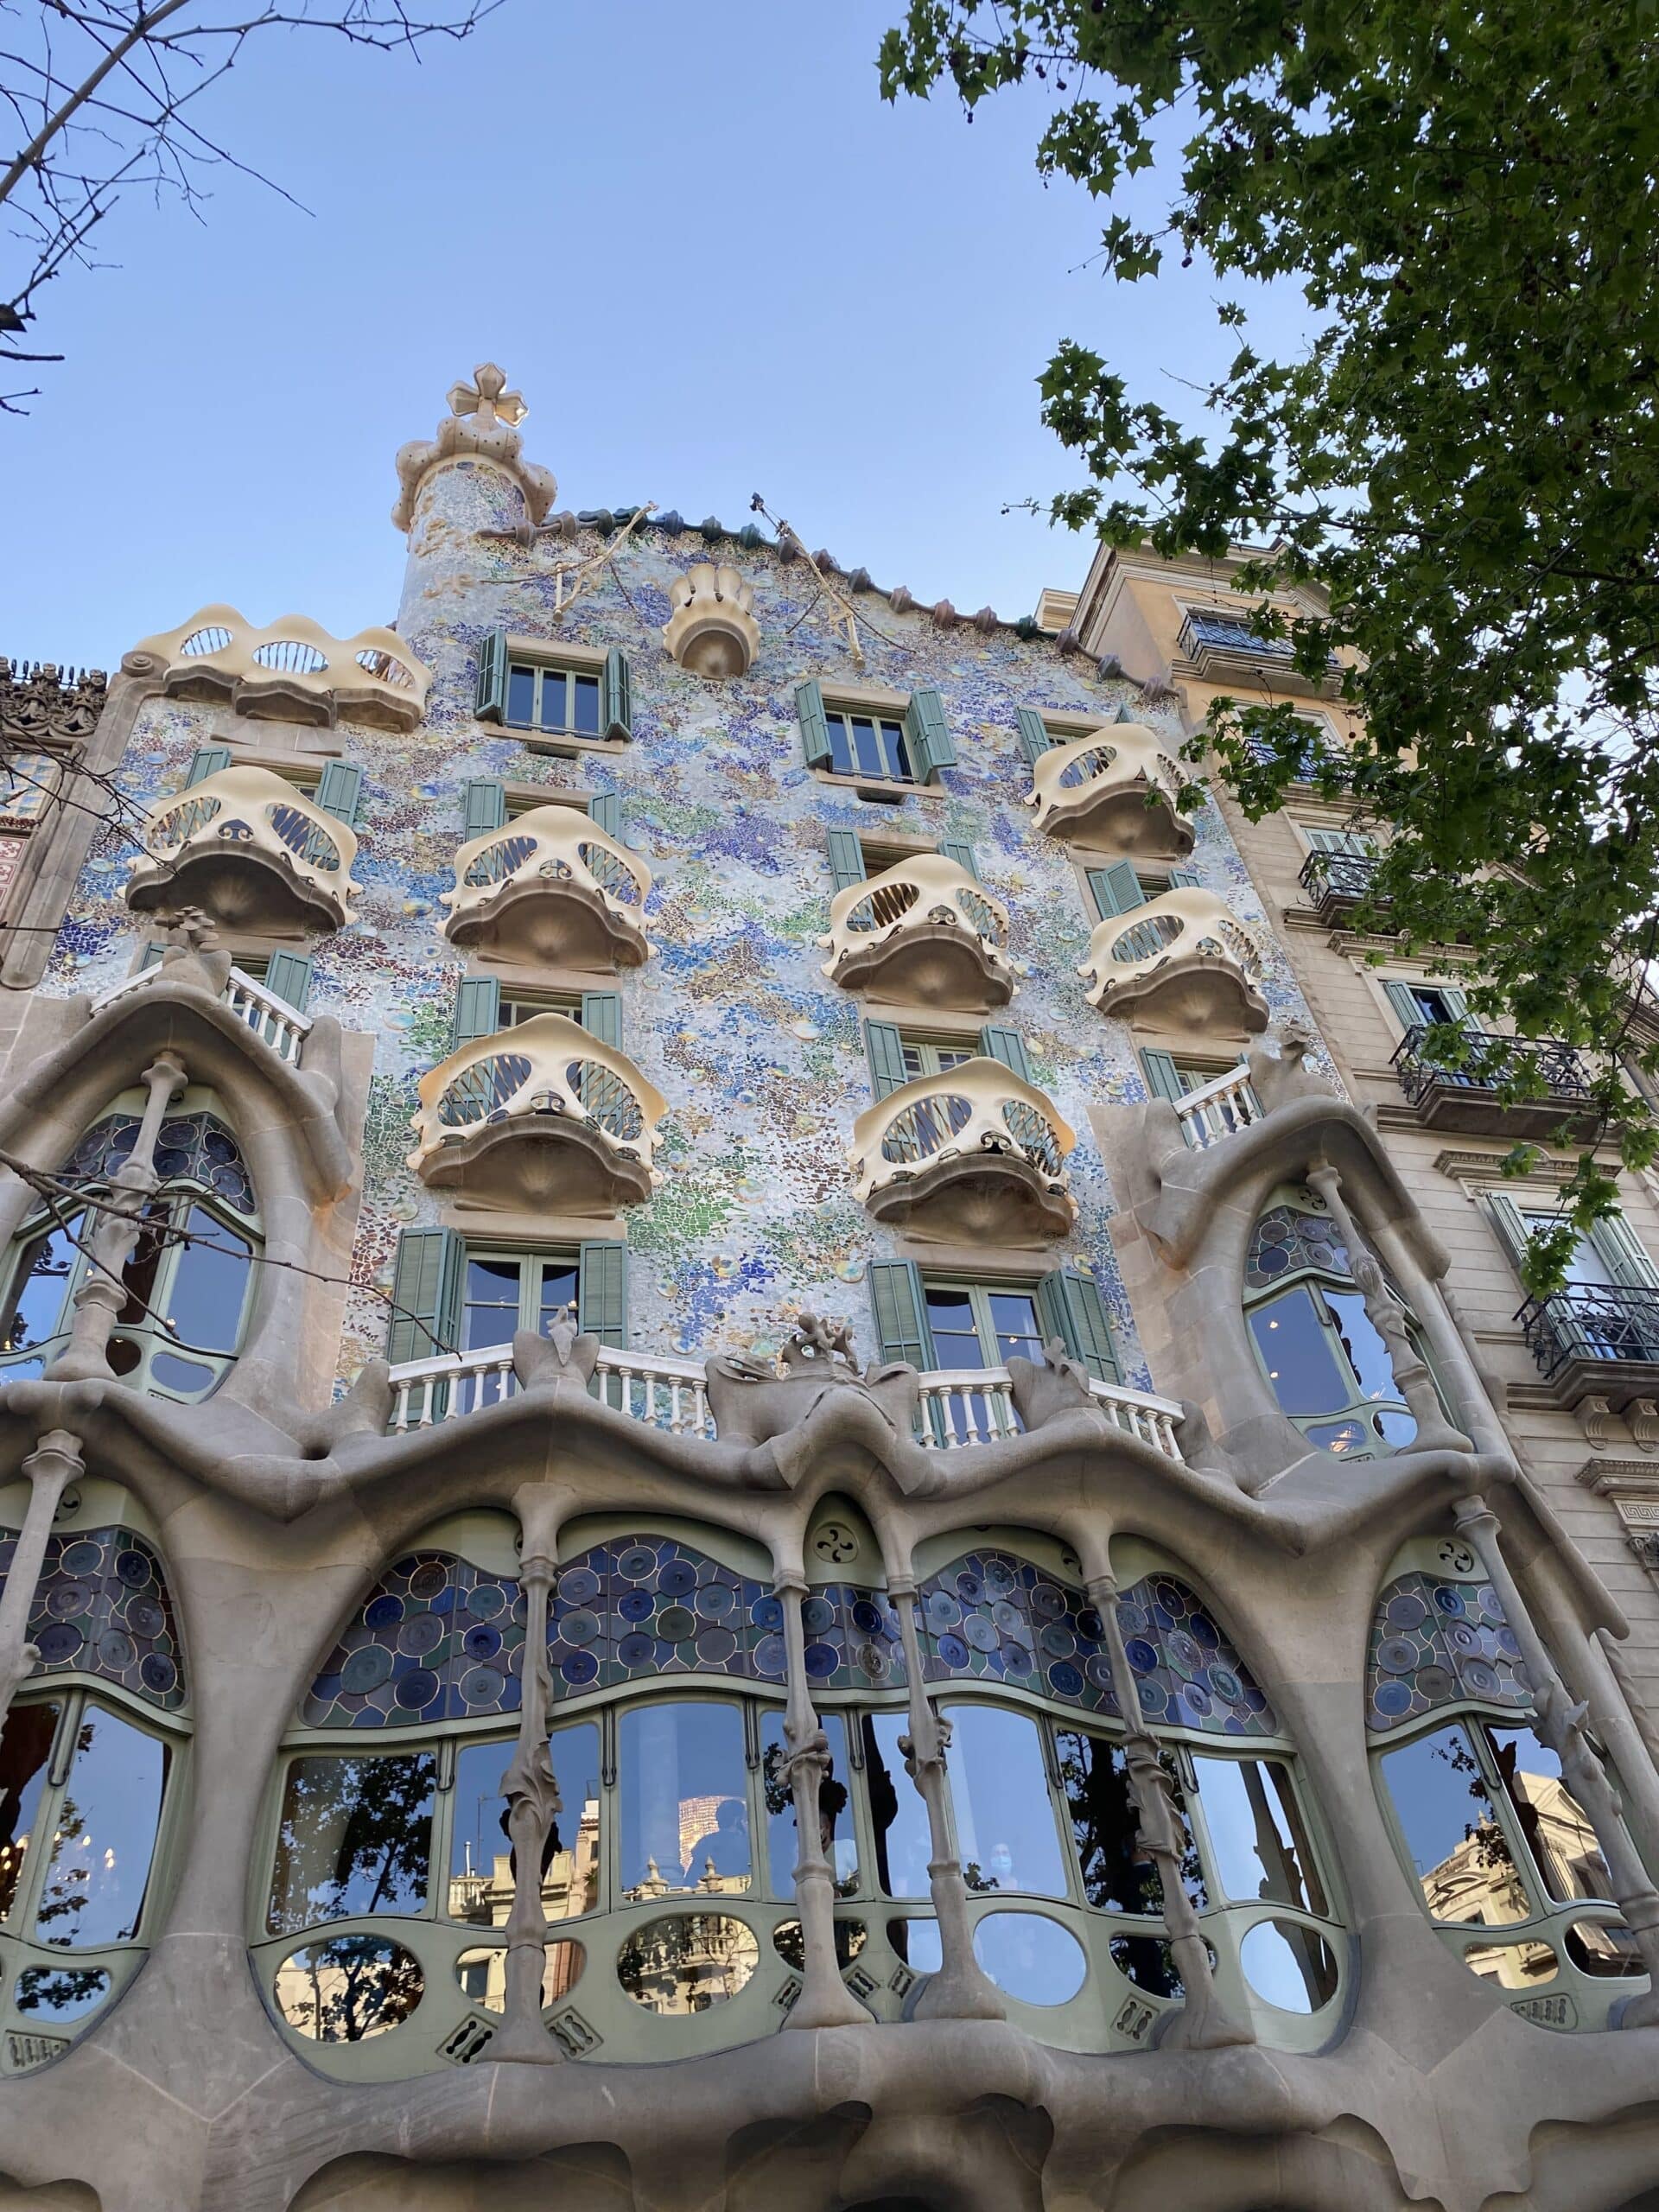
(549, 888)
(253, 853)
(543, 1117)
(973, 1155)
(1182, 960)
(291, 671)
(1119, 786)
(923, 932)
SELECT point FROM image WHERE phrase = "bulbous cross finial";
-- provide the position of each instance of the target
(487, 397)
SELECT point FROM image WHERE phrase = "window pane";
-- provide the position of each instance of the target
(685, 1800)
(490, 1311)
(836, 1831)
(561, 1286)
(43, 1272)
(999, 1789)
(209, 1285)
(553, 712)
(1013, 1316)
(1562, 1841)
(521, 696)
(894, 758)
(955, 1334)
(480, 1857)
(1459, 1853)
(1296, 1350)
(25, 1755)
(896, 1812)
(1288, 1966)
(1257, 1836)
(867, 747)
(355, 1837)
(94, 1889)
(1117, 1876)
(586, 722)
(1366, 1353)
(840, 746)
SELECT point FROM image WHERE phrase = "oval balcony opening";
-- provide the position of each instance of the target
(551, 889)
(1180, 961)
(923, 932)
(252, 852)
(972, 1154)
(1120, 788)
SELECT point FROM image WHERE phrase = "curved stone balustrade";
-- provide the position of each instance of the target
(550, 888)
(1183, 956)
(712, 631)
(924, 931)
(291, 671)
(542, 1116)
(969, 1156)
(1119, 785)
(251, 851)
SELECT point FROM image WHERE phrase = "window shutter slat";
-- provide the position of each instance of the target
(1185, 879)
(954, 849)
(1456, 1005)
(478, 1010)
(1008, 1047)
(1034, 737)
(425, 1286)
(601, 1017)
(486, 806)
(1622, 1248)
(616, 695)
(605, 812)
(340, 790)
(1407, 1011)
(207, 760)
(1117, 889)
(900, 1315)
(1073, 1309)
(602, 1291)
(885, 1048)
(815, 724)
(288, 978)
(490, 692)
(846, 858)
(927, 735)
(1163, 1079)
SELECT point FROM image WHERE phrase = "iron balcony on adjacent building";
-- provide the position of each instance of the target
(1338, 883)
(1595, 1340)
(1507, 1086)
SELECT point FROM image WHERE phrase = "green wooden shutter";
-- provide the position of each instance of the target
(616, 696)
(846, 858)
(1622, 1248)
(490, 693)
(900, 1311)
(885, 1047)
(425, 1295)
(1456, 1005)
(486, 806)
(927, 736)
(605, 812)
(1117, 889)
(340, 790)
(954, 849)
(1508, 1220)
(1163, 1077)
(208, 760)
(478, 1010)
(1007, 1046)
(1072, 1309)
(1035, 737)
(601, 1017)
(602, 1291)
(1407, 1012)
(815, 724)
(1185, 879)
(288, 978)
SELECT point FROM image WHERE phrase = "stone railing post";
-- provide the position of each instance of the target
(961, 1989)
(50, 1468)
(1561, 1728)
(532, 1791)
(825, 2001)
(1203, 2022)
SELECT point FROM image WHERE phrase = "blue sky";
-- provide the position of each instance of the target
(711, 259)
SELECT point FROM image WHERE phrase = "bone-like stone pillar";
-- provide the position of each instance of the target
(532, 1791)
(825, 2001)
(54, 1463)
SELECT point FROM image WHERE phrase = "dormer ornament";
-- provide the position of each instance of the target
(482, 424)
(712, 631)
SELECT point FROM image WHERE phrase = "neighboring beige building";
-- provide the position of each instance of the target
(758, 1446)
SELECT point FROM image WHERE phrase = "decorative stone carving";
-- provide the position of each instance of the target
(562, 1360)
(247, 849)
(42, 704)
(1120, 785)
(754, 1400)
(291, 671)
(482, 424)
(1059, 1386)
(924, 932)
(1183, 957)
(974, 1154)
(550, 888)
(712, 631)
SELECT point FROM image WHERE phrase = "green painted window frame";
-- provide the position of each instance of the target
(533, 1261)
(981, 1289)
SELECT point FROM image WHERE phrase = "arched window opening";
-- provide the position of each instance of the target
(1328, 1365)
(1505, 1858)
(188, 1280)
(88, 1755)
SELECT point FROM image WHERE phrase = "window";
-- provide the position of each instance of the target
(514, 1007)
(933, 1055)
(1608, 1307)
(983, 1321)
(902, 1056)
(1329, 1368)
(1420, 1005)
(1350, 844)
(1121, 887)
(982, 1324)
(189, 1280)
(503, 1293)
(875, 745)
(552, 699)
(450, 1297)
(485, 1006)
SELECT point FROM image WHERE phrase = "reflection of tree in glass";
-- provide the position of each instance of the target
(355, 1837)
(1118, 1875)
(1491, 1846)
(25, 1747)
(62, 1992)
(832, 1803)
(354, 1986)
(68, 1885)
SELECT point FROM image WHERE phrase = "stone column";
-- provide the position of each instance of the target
(1387, 1317)
(961, 1989)
(1474, 1405)
(114, 1237)
(54, 1462)
(1560, 1725)
(532, 1791)
(825, 2001)
(1203, 2022)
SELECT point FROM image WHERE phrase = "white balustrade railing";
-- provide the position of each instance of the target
(1216, 1110)
(960, 1407)
(281, 1026)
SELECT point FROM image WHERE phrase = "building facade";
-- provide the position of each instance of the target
(766, 1444)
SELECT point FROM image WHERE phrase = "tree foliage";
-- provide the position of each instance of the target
(1465, 457)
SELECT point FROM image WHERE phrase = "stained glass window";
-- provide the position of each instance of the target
(101, 1607)
(1437, 1642)
(436, 1639)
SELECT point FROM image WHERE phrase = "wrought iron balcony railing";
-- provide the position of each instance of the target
(1514, 1080)
(1599, 1325)
(1337, 882)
